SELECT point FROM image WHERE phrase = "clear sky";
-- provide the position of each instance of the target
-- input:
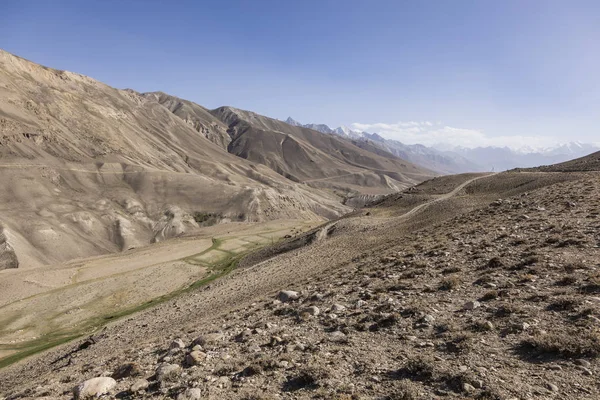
(469, 72)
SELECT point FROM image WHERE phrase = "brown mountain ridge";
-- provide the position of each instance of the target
(93, 169)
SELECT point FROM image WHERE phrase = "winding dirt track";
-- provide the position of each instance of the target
(444, 196)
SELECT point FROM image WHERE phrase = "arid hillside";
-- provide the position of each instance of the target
(587, 163)
(465, 287)
(306, 155)
(87, 169)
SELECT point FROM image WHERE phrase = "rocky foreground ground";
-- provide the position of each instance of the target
(497, 300)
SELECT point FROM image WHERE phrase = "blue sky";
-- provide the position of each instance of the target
(467, 72)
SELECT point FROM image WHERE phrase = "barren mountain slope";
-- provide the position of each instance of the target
(87, 169)
(587, 163)
(195, 115)
(305, 155)
(471, 287)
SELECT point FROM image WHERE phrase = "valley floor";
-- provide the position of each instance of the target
(43, 305)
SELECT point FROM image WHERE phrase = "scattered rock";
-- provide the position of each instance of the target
(552, 387)
(139, 385)
(190, 394)
(177, 344)
(208, 339)
(168, 372)
(287, 295)
(583, 363)
(312, 310)
(586, 371)
(468, 388)
(471, 305)
(338, 308)
(428, 319)
(338, 336)
(94, 387)
(195, 358)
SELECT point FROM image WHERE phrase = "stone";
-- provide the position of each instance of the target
(583, 363)
(208, 339)
(139, 385)
(288, 295)
(126, 370)
(177, 344)
(312, 310)
(195, 358)
(190, 394)
(471, 305)
(552, 387)
(337, 308)
(586, 371)
(337, 336)
(167, 372)
(276, 340)
(428, 319)
(468, 388)
(94, 387)
(317, 297)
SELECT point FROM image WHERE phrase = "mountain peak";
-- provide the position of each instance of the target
(292, 121)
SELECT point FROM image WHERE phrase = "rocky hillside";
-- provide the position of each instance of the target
(587, 163)
(306, 155)
(87, 169)
(470, 287)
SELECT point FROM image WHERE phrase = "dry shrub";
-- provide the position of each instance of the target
(566, 281)
(460, 344)
(565, 344)
(449, 283)
(563, 305)
(309, 377)
(406, 390)
(489, 295)
(450, 270)
(418, 369)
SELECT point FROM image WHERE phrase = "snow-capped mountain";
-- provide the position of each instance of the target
(293, 122)
(504, 158)
(319, 127)
(430, 158)
(448, 159)
(347, 132)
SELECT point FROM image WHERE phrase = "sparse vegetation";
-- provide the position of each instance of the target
(450, 283)
(565, 344)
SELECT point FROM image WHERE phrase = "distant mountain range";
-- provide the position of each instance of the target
(448, 159)
(503, 158)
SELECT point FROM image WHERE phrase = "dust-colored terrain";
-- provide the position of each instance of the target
(473, 287)
(87, 169)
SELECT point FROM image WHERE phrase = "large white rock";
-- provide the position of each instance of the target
(94, 387)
